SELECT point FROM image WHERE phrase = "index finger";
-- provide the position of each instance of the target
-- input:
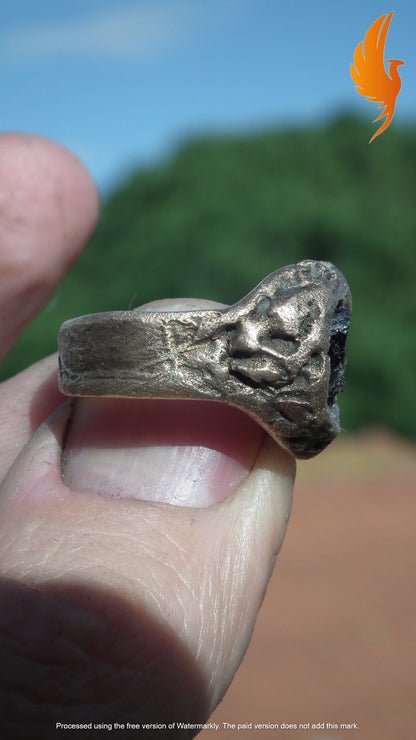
(48, 209)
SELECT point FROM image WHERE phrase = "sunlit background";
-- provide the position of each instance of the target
(227, 139)
(121, 83)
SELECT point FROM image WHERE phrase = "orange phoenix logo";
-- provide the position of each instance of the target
(369, 74)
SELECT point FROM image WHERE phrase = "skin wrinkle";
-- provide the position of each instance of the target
(19, 650)
(213, 645)
(107, 661)
(217, 646)
(212, 623)
(105, 573)
(156, 551)
(65, 577)
(172, 599)
(232, 571)
(55, 554)
(227, 575)
(215, 627)
(139, 580)
(124, 594)
(38, 648)
(105, 676)
(211, 633)
(35, 566)
(52, 548)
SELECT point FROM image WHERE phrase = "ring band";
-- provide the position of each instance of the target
(277, 354)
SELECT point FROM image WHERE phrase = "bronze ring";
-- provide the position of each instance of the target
(278, 354)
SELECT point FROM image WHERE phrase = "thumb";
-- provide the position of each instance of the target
(136, 597)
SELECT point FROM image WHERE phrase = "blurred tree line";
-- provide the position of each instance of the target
(226, 211)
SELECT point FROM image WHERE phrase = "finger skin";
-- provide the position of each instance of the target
(25, 402)
(48, 209)
(111, 608)
(193, 577)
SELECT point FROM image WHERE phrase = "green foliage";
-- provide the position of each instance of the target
(227, 211)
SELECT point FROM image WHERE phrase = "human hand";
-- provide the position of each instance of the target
(137, 537)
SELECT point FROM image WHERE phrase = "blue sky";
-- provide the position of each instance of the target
(122, 83)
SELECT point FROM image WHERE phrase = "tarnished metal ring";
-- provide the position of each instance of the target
(278, 354)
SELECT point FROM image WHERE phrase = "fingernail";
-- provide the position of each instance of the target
(183, 453)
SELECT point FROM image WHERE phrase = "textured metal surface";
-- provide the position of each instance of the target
(278, 354)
